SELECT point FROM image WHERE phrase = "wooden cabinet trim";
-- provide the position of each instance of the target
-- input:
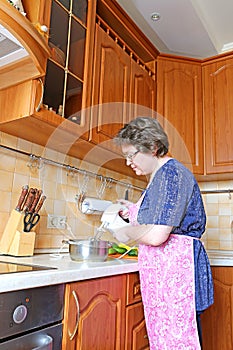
(118, 19)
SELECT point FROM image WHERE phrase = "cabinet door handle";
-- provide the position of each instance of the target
(42, 95)
(72, 334)
(136, 290)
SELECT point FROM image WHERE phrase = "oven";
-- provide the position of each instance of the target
(31, 319)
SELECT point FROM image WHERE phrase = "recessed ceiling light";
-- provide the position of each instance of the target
(155, 16)
(227, 47)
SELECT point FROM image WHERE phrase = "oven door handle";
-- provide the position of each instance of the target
(72, 334)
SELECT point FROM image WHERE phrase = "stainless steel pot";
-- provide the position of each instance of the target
(88, 249)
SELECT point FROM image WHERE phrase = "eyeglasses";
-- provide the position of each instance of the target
(131, 156)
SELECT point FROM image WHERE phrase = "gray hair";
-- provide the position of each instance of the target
(145, 134)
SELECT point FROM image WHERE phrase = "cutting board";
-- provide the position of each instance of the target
(115, 256)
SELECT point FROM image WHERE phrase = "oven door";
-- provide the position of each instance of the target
(49, 338)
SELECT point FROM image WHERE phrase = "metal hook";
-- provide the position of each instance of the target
(71, 171)
(105, 183)
(83, 187)
(34, 162)
(101, 190)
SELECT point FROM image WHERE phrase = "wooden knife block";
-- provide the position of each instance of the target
(14, 241)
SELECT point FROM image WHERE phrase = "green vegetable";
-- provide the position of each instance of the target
(114, 245)
(133, 252)
(120, 250)
(111, 251)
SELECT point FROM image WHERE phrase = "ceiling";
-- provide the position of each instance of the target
(193, 28)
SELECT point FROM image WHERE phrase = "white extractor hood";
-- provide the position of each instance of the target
(11, 49)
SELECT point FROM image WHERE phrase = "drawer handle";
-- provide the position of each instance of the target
(72, 335)
(136, 290)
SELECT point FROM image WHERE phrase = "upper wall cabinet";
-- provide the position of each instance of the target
(53, 103)
(111, 87)
(218, 115)
(123, 85)
(23, 49)
(87, 69)
(179, 101)
(65, 68)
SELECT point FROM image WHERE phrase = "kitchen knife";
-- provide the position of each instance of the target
(29, 200)
(22, 198)
(36, 200)
(43, 198)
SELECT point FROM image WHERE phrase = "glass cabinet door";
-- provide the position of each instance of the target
(64, 75)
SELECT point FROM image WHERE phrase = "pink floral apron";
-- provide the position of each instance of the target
(168, 291)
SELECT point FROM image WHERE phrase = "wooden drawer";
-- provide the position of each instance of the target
(133, 293)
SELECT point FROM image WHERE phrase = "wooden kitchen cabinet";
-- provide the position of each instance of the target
(142, 91)
(64, 79)
(217, 320)
(94, 314)
(61, 104)
(135, 331)
(37, 11)
(111, 89)
(105, 313)
(123, 88)
(218, 111)
(59, 84)
(179, 101)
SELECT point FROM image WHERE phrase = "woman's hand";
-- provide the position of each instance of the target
(124, 213)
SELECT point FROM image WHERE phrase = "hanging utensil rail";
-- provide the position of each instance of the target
(99, 177)
(73, 169)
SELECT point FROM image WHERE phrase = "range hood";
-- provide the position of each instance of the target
(23, 50)
(10, 48)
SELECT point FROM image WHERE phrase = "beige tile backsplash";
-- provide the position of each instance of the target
(61, 187)
(219, 209)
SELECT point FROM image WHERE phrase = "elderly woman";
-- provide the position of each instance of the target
(167, 222)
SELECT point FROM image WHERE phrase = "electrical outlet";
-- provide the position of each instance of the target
(56, 221)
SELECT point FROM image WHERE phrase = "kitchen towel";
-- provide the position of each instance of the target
(92, 205)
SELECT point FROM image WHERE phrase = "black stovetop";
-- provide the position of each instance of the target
(10, 267)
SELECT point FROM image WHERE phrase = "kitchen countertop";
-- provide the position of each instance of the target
(220, 257)
(67, 270)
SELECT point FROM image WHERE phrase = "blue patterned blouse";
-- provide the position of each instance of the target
(173, 198)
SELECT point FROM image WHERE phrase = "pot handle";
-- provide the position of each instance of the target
(72, 335)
